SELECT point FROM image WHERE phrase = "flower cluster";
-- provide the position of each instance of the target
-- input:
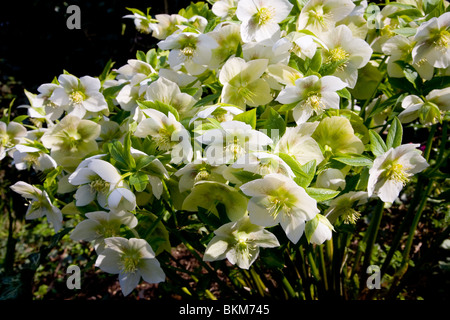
(260, 116)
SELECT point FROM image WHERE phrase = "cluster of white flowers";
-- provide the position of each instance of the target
(249, 104)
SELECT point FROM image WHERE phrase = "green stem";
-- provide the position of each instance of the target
(323, 266)
(373, 232)
(288, 287)
(259, 284)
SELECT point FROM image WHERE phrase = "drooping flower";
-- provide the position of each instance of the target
(39, 204)
(331, 179)
(343, 206)
(224, 8)
(320, 16)
(393, 169)
(277, 199)
(322, 229)
(260, 18)
(27, 156)
(198, 170)
(428, 111)
(242, 83)
(11, 134)
(231, 141)
(433, 42)
(71, 139)
(263, 163)
(167, 25)
(131, 259)
(96, 179)
(239, 242)
(100, 225)
(220, 112)
(78, 96)
(312, 95)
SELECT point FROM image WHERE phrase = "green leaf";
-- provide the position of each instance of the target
(139, 181)
(309, 169)
(246, 176)
(162, 107)
(395, 134)
(274, 122)
(344, 93)
(140, 55)
(249, 117)
(206, 100)
(321, 194)
(377, 145)
(355, 161)
(316, 61)
(406, 32)
(152, 229)
(293, 164)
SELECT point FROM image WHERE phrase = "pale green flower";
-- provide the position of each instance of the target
(11, 134)
(298, 143)
(100, 225)
(335, 135)
(331, 179)
(131, 259)
(242, 83)
(224, 8)
(198, 170)
(263, 163)
(26, 157)
(277, 199)
(71, 140)
(39, 204)
(239, 242)
(228, 37)
(393, 169)
(323, 229)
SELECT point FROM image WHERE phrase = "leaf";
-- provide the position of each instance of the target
(249, 117)
(316, 60)
(293, 164)
(274, 122)
(321, 194)
(209, 98)
(377, 145)
(309, 169)
(395, 134)
(246, 176)
(139, 181)
(355, 161)
(152, 229)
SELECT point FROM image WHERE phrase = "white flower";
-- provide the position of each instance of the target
(261, 18)
(96, 178)
(39, 204)
(221, 112)
(351, 53)
(169, 93)
(135, 67)
(297, 143)
(100, 225)
(77, 96)
(320, 16)
(42, 106)
(231, 141)
(433, 42)
(239, 242)
(131, 92)
(427, 111)
(278, 199)
(393, 169)
(275, 50)
(26, 157)
(192, 50)
(143, 23)
(198, 170)
(10, 135)
(343, 206)
(312, 95)
(331, 179)
(167, 25)
(263, 163)
(242, 83)
(323, 229)
(131, 259)
(168, 133)
(224, 8)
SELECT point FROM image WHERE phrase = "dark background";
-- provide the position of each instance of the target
(36, 45)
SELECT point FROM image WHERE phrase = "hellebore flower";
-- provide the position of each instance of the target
(278, 199)
(393, 169)
(131, 259)
(10, 135)
(239, 242)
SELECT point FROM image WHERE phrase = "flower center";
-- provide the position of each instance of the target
(31, 158)
(246, 93)
(5, 141)
(442, 39)
(350, 215)
(264, 15)
(203, 174)
(188, 51)
(318, 16)
(108, 229)
(100, 185)
(130, 261)
(315, 103)
(398, 173)
(338, 54)
(77, 97)
(163, 139)
(277, 205)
